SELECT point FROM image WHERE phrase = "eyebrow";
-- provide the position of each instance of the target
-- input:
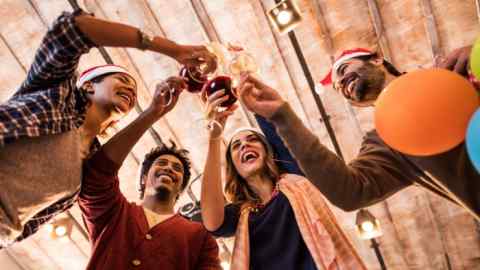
(167, 160)
(125, 79)
(340, 68)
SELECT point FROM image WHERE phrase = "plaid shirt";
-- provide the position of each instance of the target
(48, 102)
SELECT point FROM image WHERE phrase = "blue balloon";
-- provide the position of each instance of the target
(473, 140)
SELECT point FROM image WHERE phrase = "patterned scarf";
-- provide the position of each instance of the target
(327, 243)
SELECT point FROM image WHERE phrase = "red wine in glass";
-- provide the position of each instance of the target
(195, 79)
(219, 83)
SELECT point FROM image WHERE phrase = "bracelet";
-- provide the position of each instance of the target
(145, 41)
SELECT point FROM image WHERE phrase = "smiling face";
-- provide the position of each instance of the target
(248, 153)
(115, 94)
(164, 178)
(360, 81)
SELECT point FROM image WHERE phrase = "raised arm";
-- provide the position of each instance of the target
(374, 175)
(100, 195)
(73, 34)
(212, 199)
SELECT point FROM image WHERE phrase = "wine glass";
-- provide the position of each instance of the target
(233, 61)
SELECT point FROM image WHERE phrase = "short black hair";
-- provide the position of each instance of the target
(388, 66)
(163, 149)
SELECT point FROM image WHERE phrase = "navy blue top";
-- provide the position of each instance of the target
(285, 160)
(275, 239)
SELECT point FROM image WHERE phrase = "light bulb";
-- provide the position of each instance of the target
(49, 227)
(225, 265)
(367, 226)
(284, 17)
(60, 231)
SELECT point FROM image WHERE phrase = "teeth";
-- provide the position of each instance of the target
(126, 97)
(247, 156)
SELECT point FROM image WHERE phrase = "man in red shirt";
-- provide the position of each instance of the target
(125, 235)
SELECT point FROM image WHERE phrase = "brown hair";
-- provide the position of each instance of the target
(236, 188)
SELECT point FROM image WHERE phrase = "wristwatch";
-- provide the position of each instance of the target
(145, 40)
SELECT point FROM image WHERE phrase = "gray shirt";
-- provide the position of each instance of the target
(35, 173)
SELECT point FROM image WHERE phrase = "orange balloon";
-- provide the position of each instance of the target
(425, 112)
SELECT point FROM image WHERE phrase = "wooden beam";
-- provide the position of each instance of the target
(15, 260)
(289, 68)
(325, 32)
(379, 29)
(431, 27)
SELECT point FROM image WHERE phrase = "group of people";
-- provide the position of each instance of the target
(275, 179)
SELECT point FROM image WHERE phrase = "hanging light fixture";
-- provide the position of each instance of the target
(368, 228)
(59, 228)
(367, 225)
(285, 16)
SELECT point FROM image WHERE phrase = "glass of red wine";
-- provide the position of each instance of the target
(218, 83)
(195, 78)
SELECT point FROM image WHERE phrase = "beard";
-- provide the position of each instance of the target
(371, 81)
(162, 194)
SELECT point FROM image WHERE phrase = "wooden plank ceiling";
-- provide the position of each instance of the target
(421, 231)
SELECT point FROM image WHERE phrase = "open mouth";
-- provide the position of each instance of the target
(127, 98)
(249, 156)
(165, 178)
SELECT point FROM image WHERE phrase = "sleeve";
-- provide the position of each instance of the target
(57, 58)
(100, 197)
(375, 174)
(209, 259)
(230, 221)
(284, 159)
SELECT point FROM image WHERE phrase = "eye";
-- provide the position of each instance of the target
(235, 146)
(341, 69)
(162, 163)
(177, 167)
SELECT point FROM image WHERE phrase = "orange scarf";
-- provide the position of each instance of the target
(328, 245)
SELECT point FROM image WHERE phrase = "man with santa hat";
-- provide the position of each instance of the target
(378, 171)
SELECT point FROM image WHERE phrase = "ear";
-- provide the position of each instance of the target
(88, 86)
(378, 59)
(143, 181)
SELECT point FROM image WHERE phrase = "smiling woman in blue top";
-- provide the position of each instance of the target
(266, 212)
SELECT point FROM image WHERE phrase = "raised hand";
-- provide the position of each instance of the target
(166, 95)
(259, 97)
(196, 56)
(216, 117)
(456, 61)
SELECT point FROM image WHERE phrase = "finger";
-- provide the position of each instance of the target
(256, 82)
(448, 63)
(218, 101)
(462, 65)
(216, 95)
(245, 90)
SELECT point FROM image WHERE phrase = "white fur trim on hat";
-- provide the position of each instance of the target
(94, 72)
(347, 57)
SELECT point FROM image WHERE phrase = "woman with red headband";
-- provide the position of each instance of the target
(51, 123)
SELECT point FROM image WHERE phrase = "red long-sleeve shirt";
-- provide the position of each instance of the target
(120, 235)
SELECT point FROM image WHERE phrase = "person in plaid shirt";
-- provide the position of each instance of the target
(51, 123)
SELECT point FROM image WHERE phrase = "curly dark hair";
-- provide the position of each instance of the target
(163, 149)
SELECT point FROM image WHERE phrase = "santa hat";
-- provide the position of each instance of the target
(96, 71)
(344, 56)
